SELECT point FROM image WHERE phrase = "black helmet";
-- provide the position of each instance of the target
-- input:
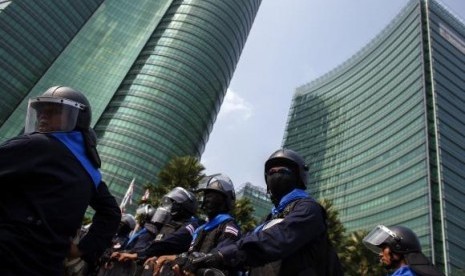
(177, 204)
(129, 220)
(220, 183)
(144, 213)
(185, 198)
(63, 109)
(400, 239)
(70, 110)
(287, 157)
(63, 92)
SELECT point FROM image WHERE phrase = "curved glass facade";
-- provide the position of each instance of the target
(33, 36)
(377, 132)
(447, 39)
(155, 73)
(168, 101)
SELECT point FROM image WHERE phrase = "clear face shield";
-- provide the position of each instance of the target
(163, 213)
(378, 236)
(47, 114)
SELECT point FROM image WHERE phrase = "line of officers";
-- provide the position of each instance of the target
(50, 175)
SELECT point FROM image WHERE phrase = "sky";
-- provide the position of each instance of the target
(291, 43)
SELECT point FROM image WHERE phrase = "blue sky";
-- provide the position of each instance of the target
(291, 43)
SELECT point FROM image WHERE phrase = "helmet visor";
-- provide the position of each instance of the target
(180, 195)
(143, 210)
(47, 114)
(163, 213)
(377, 237)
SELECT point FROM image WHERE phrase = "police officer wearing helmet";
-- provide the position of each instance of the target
(145, 231)
(126, 226)
(178, 204)
(293, 238)
(220, 229)
(175, 218)
(399, 249)
(52, 174)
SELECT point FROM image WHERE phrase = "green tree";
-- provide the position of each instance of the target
(336, 230)
(242, 212)
(184, 171)
(359, 260)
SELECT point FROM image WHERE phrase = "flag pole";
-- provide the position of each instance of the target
(128, 196)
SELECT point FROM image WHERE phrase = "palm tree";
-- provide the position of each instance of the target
(359, 260)
(336, 230)
(185, 171)
(242, 212)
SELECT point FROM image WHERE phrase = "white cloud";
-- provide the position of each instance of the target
(235, 106)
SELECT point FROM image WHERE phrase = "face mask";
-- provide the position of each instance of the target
(213, 204)
(177, 211)
(279, 185)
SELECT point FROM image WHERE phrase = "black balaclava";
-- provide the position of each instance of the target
(214, 203)
(178, 213)
(280, 184)
(124, 230)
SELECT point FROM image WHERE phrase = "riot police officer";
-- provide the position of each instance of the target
(293, 239)
(399, 249)
(220, 229)
(126, 226)
(51, 175)
(175, 218)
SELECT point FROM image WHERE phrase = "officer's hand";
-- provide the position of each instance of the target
(115, 255)
(150, 260)
(74, 252)
(182, 260)
(213, 259)
(160, 261)
(177, 271)
(127, 257)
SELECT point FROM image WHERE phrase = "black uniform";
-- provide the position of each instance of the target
(173, 238)
(213, 235)
(288, 247)
(46, 191)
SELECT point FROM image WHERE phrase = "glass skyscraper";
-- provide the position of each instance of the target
(155, 72)
(259, 198)
(384, 133)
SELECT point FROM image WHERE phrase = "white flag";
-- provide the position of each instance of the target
(146, 195)
(128, 196)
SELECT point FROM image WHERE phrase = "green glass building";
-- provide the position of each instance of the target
(155, 72)
(259, 198)
(384, 133)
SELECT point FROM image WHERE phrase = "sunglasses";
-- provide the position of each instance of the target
(282, 170)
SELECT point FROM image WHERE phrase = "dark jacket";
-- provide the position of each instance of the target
(173, 238)
(207, 239)
(140, 240)
(46, 192)
(224, 234)
(286, 248)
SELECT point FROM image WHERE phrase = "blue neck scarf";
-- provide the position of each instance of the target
(135, 235)
(293, 195)
(212, 224)
(290, 197)
(74, 141)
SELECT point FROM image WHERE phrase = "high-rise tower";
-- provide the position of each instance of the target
(384, 133)
(155, 72)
